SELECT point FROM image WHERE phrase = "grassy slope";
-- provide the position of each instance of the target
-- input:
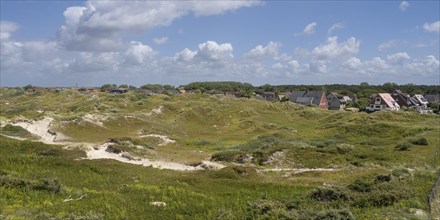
(204, 125)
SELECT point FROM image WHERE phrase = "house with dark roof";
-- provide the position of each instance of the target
(336, 101)
(269, 96)
(317, 98)
(382, 101)
(417, 102)
(119, 91)
(404, 100)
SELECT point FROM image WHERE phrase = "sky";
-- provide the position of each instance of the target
(91, 43)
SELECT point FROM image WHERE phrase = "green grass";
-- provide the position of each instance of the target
(376, 180)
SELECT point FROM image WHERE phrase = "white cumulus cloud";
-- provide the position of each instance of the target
(398, 57)
(261, 52)
(318, 66)
(335, 27)
(186, 55)
(211, 50)
(99, 25)
(332, 49)
(404, 5)
(161, 40)
(387, 45)
(6, 29)
(353, 63)
(308, 30)
(138, 53)
(432, 27)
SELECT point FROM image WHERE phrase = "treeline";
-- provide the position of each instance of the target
(107, 87)
(363, 90)
(243, 89)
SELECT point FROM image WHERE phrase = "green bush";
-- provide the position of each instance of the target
(420, 141)
(12, 130)
(344, 148)
(376, 199)
(46, 184)
(403, 146)
(383, 178)
(228, 156)
(360, 186)
(329, 194)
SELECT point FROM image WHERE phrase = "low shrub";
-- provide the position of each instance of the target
(383, 178)
(12, 130)
(329, 194)
(360, 186)
(376, 199)
(400, 172)
(46, 184)
(419, 141)
(403, 146)
(228, 156)
(344, 148)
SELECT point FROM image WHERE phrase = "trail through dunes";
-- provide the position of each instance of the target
(102, 153)
(41, 128)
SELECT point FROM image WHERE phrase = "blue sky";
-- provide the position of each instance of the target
(89, 43)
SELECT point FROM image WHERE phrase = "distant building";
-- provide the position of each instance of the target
(404, 100)
(382, 101)
(417, 102)
(269, 96)
(317, 98)
(336, 101)
(119, 91)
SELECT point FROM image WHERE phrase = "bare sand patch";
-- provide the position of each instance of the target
(40, 128)
(101, 152)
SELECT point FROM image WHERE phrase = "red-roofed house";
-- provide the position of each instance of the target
(382, 101)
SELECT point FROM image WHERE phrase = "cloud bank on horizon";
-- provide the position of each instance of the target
(171, 42)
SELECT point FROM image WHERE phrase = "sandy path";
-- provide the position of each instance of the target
(40, 128)
(101, 153)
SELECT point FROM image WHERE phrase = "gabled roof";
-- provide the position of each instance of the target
(296, 94)
(407, 99)
(314, 95)
(388, 99)
(308, 100)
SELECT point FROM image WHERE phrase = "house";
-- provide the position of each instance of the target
(423, 104)
(382, 101)
(119, 91)
(317, 98)
(432, 98)
(269, 96)
(404, 100)
(417, 102)
(336, 101)
(258, 97)
(232, 95)
(354, 99)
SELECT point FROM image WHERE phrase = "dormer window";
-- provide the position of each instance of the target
(377, 100)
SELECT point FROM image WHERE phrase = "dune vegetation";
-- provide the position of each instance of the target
(252, 159)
